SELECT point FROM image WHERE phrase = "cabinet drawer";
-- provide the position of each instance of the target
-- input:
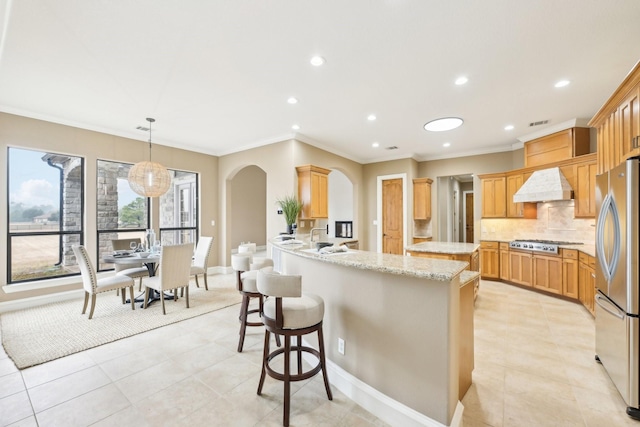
(570, 253)
(504, 246)
(489, 245)
(584, 258)
(592, 262)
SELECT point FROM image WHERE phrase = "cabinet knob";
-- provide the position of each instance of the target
(593, 275)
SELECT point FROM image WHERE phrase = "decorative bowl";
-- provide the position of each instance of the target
(143, 254)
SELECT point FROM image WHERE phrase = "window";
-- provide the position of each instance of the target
(179, 209)
(46, 202)
(122, 213)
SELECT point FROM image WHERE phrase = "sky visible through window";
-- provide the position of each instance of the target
(33, 182)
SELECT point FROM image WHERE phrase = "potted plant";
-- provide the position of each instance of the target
(291, 207)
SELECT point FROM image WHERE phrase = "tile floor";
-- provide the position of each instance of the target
(534, 367)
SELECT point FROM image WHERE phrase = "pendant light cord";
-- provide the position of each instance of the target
(150, 120)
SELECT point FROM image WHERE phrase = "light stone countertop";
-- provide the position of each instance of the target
(425, 268)
(468, 276)
(444, 247)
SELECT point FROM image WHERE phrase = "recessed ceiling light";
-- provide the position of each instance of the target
(317, 61)
(508, 127)
(461, 80)
(562, 83)
(292, 100)
(375, 145)
(371, 117)
(443, 124)
(446, 144)
(295, 127)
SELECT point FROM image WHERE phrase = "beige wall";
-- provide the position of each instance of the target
(248, 202)
(24, 132)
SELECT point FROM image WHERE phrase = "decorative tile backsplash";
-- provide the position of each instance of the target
(555, 222)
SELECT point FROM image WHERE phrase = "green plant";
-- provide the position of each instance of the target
(291, 207)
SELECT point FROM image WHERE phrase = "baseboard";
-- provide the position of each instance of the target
(379, 404)
(23, 303)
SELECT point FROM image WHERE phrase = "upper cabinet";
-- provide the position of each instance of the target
(556, 147)
(422, 198)
(313, 188)
(494, 195)
(618, 124)
(584, 191)
(518, 210)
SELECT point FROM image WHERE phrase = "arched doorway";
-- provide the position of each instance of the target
(247, 195)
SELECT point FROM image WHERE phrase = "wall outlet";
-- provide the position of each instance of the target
(340, 346)
(279, 211)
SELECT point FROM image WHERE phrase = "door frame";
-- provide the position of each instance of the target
(464, 214)
(378, 221)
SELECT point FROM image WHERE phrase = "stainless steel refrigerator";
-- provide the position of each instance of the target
(617, 295)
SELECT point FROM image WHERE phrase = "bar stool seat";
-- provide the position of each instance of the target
(289, 313)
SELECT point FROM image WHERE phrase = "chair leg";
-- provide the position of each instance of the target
(162, 300)
(133, 303)
(146, 297)
(197, 284)
(124, 295)
(265, 355)
(287, 375)
(86, 301)
(140, 285)
(186, 291)
(244, 308)
(323, 363)
(206, 285)
(93, 305)
(299, 354)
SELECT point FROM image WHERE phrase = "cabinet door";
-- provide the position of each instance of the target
(494, 198)
(570, 278)
(489, 263)
(504, 265)
(585, 190)
(475, 262)
(520, 267)
(547, 273)
(629, 116)
(319, 196)
(514, 210)
(422, 198)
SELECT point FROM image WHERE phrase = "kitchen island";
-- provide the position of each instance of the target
(400, 320)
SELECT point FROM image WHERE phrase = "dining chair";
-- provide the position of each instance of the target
(199, 266)
(173, 273)
(93, 286)
(135, 271)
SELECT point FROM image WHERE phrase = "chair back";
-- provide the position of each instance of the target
(277, 285)
(259, 263)
(89, 279)
(202, 252)
(241, 262)
(247, 247)
(124, 245)
(175, 265)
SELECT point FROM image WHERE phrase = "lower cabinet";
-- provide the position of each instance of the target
(490, 260)
(547, 273)
(504, 261)
(520, 267)
(570, 273)
(587, 281)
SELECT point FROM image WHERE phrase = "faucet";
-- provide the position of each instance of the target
(311, 234)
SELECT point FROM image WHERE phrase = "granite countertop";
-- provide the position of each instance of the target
(444, 247)
(587, 249)
(425, 268)
(468, 276)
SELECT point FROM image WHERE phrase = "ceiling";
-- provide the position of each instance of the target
(216, 75)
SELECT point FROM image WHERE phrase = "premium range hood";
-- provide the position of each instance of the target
(544, 186)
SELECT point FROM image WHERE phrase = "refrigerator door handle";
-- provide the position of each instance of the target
(608, 216)
(613, 311)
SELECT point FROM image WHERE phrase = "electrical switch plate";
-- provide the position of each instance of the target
(340, 346)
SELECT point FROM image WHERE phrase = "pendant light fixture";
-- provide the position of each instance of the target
(149, 179)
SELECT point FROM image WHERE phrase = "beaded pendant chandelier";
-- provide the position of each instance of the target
(149, 179)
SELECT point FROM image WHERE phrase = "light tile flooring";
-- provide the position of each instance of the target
(534, 367)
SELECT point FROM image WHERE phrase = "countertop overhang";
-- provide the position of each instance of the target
(444, 247)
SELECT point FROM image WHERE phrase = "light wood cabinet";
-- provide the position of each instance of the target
(520, 267)
(313, 187)
(493, 196)
(556, 147)
(618, 123)
(570, 273)
(422, 198)
(518, 210)
(547, 273)
(490, 260)
(587, 281)
(504, 261)
(421, 239)
(584, 191)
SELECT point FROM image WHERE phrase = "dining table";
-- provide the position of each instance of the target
(134, 258)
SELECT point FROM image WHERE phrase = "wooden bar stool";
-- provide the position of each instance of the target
(246, 270)
(290, 313)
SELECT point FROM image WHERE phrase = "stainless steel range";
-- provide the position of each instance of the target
(547, 246)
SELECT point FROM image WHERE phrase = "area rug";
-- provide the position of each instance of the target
(40, 334)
